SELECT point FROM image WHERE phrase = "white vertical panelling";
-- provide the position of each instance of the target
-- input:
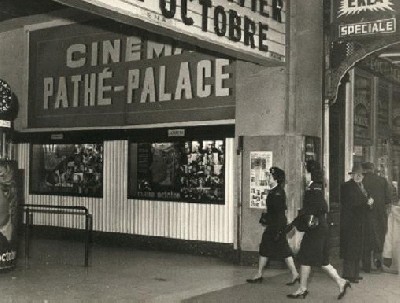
(107, 173)
(210, 222)
(230, 181)
(174, 219)
(115, 213)
(135, 221)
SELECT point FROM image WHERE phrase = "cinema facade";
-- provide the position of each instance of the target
(163, 118)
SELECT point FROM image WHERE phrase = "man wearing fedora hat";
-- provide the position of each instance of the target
(375, 222)
(354, 201)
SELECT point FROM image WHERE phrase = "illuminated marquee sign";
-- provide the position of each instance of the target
(363, 18)
(350, 7)
(358, 27)
(367, 28)
(254, 29)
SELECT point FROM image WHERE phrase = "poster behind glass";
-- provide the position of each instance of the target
(10, 189)
(190, 171)
(383, 100)
(67, 169)
(383, 130)
(362, 110)
(260, 163)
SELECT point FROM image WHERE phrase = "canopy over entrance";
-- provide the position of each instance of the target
(357, 29)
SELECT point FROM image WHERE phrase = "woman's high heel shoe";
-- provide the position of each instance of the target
(297, 280)
(302, 295)
(343, 292)
(256, 280)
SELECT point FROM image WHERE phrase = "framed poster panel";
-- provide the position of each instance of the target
(382, 107)
(186, 170)
(363, 98)
(67, 169)
(260, 163)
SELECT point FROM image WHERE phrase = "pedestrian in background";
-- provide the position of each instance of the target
(375, 221)
(391, 248)
(314, 249)
(273, 244)
(354, 202)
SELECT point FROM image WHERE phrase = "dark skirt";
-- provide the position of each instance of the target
(314, 248)
(272, 248)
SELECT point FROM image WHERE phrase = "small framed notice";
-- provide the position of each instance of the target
(5, 123)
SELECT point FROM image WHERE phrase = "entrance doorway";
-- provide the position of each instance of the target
(364, 122)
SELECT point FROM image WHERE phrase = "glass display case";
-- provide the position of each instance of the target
(190, 171)
(67, 169)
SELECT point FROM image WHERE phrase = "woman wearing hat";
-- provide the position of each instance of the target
(274, 245)
(314, 250)
(354, 201)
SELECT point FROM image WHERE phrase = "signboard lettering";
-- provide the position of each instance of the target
(176, 132)
(141, 85)
(106, 52)
(367, 28)
(349, 7)
(102, 73)
(226, 22)
(360, 18)
(253, 28)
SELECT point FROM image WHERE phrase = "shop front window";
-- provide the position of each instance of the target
(189, 171)
(67, 169)
(362, 110)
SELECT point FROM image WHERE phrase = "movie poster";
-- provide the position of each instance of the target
(260, 163)
(8, 214)
(190, 171)
(72, 169)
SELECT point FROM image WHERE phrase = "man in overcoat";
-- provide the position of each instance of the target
(375, 222)
(354, 202)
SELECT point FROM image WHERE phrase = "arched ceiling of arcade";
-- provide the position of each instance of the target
(391, 54)
(356, 30)
(349, 53)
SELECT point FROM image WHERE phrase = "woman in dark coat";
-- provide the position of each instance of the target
(314, 250)
(274, 245)
(354, 202)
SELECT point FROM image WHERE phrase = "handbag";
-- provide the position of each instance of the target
(313, 222)
(306, 222)
(264, 219)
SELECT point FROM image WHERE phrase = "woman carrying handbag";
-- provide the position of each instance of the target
(273, 244)
(314, 250)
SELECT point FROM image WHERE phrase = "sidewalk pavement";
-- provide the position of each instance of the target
(55, 273)
(377, 288)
